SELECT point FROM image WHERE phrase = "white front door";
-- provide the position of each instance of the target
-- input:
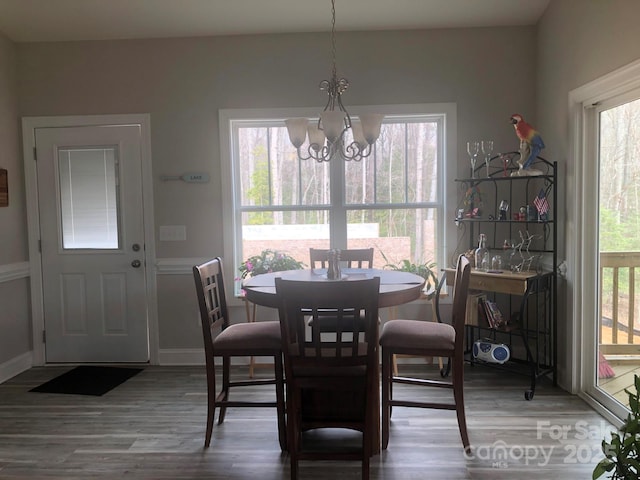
(89, 181)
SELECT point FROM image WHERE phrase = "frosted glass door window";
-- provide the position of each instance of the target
(89, 198)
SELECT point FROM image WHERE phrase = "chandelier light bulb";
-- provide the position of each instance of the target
(371, 124)
(297, 128)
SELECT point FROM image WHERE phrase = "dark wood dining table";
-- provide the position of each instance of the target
(396, 288)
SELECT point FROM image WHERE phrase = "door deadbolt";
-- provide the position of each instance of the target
(135, 247)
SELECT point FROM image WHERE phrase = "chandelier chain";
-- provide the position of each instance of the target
(333, 38)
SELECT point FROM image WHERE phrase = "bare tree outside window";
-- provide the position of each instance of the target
(390, 200)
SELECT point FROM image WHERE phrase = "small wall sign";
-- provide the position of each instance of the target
(187, 177)
(4, 188)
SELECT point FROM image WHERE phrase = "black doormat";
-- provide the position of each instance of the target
(88, 380)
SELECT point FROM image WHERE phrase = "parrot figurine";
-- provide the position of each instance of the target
(530, 142)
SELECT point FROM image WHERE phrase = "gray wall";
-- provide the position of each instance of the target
(183, 83)
(15, 324)
(578, 41)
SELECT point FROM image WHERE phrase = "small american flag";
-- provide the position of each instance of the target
(541, 203)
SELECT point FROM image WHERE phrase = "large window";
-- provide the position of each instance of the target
(394, 200)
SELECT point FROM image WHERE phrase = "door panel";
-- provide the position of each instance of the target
(612, 134)
(91, 221)
(619, 243)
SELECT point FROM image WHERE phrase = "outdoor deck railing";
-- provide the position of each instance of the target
(619, 316)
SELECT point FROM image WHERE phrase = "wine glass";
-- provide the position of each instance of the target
(487, 150)
(473, 149)
(503, 208)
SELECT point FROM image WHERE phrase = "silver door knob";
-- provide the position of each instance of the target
(136, 264)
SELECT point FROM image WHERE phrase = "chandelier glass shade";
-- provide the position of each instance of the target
(328, 136)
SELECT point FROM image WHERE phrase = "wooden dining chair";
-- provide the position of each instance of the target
(428, 339)
(224, 340)
(350, 257)
(330, 383)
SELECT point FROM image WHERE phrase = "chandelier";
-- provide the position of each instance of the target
(328, 137)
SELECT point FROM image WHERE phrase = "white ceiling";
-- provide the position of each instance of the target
(62, 20)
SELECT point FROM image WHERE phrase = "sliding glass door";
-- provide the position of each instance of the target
(617, 121)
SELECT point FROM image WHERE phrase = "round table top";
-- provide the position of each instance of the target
(396, 287)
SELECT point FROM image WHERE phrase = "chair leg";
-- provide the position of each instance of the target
(386, 396)
(444, 372)
(367, 439)
(294, 468)
(458, 395)
(280, 404)
(226, 367)
(211, 403)
(293, 433)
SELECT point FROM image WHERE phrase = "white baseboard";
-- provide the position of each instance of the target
(15, 366)
(181, 356)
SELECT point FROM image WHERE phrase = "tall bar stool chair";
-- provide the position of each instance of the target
(224, 340)
(428, 339)
(331, 383)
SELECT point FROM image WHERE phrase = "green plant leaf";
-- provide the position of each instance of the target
(426, 270)
(601, 468)
(623, 451)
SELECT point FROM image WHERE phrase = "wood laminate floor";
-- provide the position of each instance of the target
(152, 427)
(624, 379)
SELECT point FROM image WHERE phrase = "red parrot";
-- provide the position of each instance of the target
(526, 133)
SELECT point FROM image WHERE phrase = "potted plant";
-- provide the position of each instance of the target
(426, 270)
(268, 261)
(622, 453)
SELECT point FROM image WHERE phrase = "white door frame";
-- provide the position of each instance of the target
(29, 124)
(584, 261)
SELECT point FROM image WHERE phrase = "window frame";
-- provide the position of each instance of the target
(585, 104)
(230, 119)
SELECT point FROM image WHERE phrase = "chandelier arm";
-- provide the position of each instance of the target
(300, 155)
(355, 152)
(347, 117)
(328, 107)
(348, 152)
(317, 153)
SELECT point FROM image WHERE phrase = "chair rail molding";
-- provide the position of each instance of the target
(178, 266)
(14, 271)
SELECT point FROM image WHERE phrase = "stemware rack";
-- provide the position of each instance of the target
(532, 327)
